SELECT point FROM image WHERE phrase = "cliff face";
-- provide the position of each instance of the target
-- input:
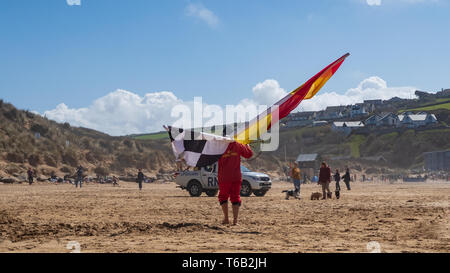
(29, 140)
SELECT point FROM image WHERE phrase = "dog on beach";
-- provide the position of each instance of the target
(316, 195)
(337, 194)
(290, 193)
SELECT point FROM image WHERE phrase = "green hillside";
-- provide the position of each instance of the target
(155, 136)
(444, 106)
(436, 104)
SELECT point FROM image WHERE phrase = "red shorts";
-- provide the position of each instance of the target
(230, 190)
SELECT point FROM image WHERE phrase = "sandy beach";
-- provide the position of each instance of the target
(403, 217)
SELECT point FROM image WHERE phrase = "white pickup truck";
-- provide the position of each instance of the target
(205, 180)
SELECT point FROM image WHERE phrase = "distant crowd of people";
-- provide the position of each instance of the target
(324, 179)
(80, 178)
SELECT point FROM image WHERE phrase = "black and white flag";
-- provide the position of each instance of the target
(198, 149)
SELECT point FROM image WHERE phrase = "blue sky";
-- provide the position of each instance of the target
(52, 52)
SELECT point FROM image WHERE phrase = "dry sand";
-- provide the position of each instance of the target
(162, 218)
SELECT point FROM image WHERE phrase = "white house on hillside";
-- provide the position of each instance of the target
(358, 110)
(346, 127)
(384, 119)
(406, 120)
(373, 120)
(300, 119)
(389, 119)
(371, 105)
(414, 121)
(333, 112)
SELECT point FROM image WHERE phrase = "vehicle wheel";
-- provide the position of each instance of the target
(211, 193)
(195, 188)
(246, 189)
(260, 193)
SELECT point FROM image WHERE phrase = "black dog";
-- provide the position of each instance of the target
(292, 193)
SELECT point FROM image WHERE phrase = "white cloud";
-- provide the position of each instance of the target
(73, 2)
(202, 13)
(370, 88)
(373, 2)
(120, 112)
(123, 112)
(269, 92)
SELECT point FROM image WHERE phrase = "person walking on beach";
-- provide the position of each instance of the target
(295, 175)
(115, 181)
(325, 179)
(140, 179)
(337, 178)
(347, 178)
(79, 177)
(30, 176)
(230, 178)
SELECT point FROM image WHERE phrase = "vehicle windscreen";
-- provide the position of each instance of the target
(245, 170)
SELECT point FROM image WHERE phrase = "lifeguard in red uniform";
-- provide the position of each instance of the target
(230, 178)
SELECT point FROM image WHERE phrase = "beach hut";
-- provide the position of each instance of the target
(309, 164)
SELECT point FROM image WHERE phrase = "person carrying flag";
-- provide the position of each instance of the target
(230, 178)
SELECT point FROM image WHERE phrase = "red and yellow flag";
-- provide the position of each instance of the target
(262, 123)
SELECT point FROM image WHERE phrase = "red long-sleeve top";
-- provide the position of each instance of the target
(325, 174)
(230, 162)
